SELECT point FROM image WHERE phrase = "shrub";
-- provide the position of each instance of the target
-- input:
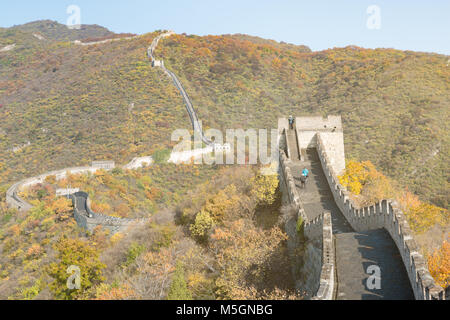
(134, 252)
(74, 252)
(439, 265)
(265, 187)
(178, 289)
(202, 225)
(31, 292)
(117, 171)
(50, 179)
(164, 238)
(161, 156)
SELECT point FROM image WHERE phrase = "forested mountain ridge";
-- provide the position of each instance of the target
(52, 30)
(107, 101)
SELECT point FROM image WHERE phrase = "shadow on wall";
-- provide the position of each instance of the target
(376, 250)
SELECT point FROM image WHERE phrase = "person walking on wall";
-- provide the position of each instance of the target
(305, 173)
(304, 177)
(291, 122)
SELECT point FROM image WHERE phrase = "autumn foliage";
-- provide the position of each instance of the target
(369, 186)
(362, 178)
(74, 252)
(439, 265)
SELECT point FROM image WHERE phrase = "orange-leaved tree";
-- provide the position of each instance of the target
(439, 265)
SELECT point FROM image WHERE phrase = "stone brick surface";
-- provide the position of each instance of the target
(376, 235)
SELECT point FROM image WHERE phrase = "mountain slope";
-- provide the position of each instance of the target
(53, 30)
(394, 104)
(107, 101)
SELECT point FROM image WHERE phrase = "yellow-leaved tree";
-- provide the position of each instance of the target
(202, 225)
(439, 265)
(421, 215)
(362, 178)
(77, 253)
(265, 188)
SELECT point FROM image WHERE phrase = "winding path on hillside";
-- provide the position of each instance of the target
(14, 200)
(196, 125)
(355, 251)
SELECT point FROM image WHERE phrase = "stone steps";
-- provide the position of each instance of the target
(294, 154)
(355, 251)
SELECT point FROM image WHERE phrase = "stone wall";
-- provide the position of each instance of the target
(188, 155)
(107, 165)
(196, 125)
(327, 280)
(80, 43)
(137, 163)
(89, 220)
(316, 230)
(292, 191)
(385, 214)
(332, 133)
(320, 264)
(13, 200)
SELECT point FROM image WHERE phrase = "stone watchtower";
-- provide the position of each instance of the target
(304, 136)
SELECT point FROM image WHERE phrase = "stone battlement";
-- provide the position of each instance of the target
(385, 214)
(89, 220)
(288, 178)
(317, 228)
(326, 136)
(307, 129)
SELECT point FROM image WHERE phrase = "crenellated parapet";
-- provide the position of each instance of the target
(317, 228)
(89, 220)
(292, 191)
(323, 227)
(384, 214)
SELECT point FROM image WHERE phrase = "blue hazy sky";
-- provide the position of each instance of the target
(319, 24)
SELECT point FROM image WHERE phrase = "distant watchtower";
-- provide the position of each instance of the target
(157, 63)
(331, 131)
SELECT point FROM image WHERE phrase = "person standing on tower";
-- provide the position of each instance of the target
(291, 122)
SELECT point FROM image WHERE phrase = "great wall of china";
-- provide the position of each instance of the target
(352, 238)
(336, 229)
(82, 212)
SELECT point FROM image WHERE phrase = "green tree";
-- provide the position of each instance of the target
(300, 227)
(134, 252)
(178, 289)
(161, 156)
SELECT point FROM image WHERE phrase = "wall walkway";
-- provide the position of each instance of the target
(363, 237)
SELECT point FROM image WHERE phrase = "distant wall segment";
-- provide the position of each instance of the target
(89, 220)
(13, 199)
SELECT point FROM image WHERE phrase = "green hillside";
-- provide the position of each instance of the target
(74, 104)
(53, 30)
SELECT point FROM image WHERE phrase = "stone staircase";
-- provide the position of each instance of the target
(291, 139)
(355, 251)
